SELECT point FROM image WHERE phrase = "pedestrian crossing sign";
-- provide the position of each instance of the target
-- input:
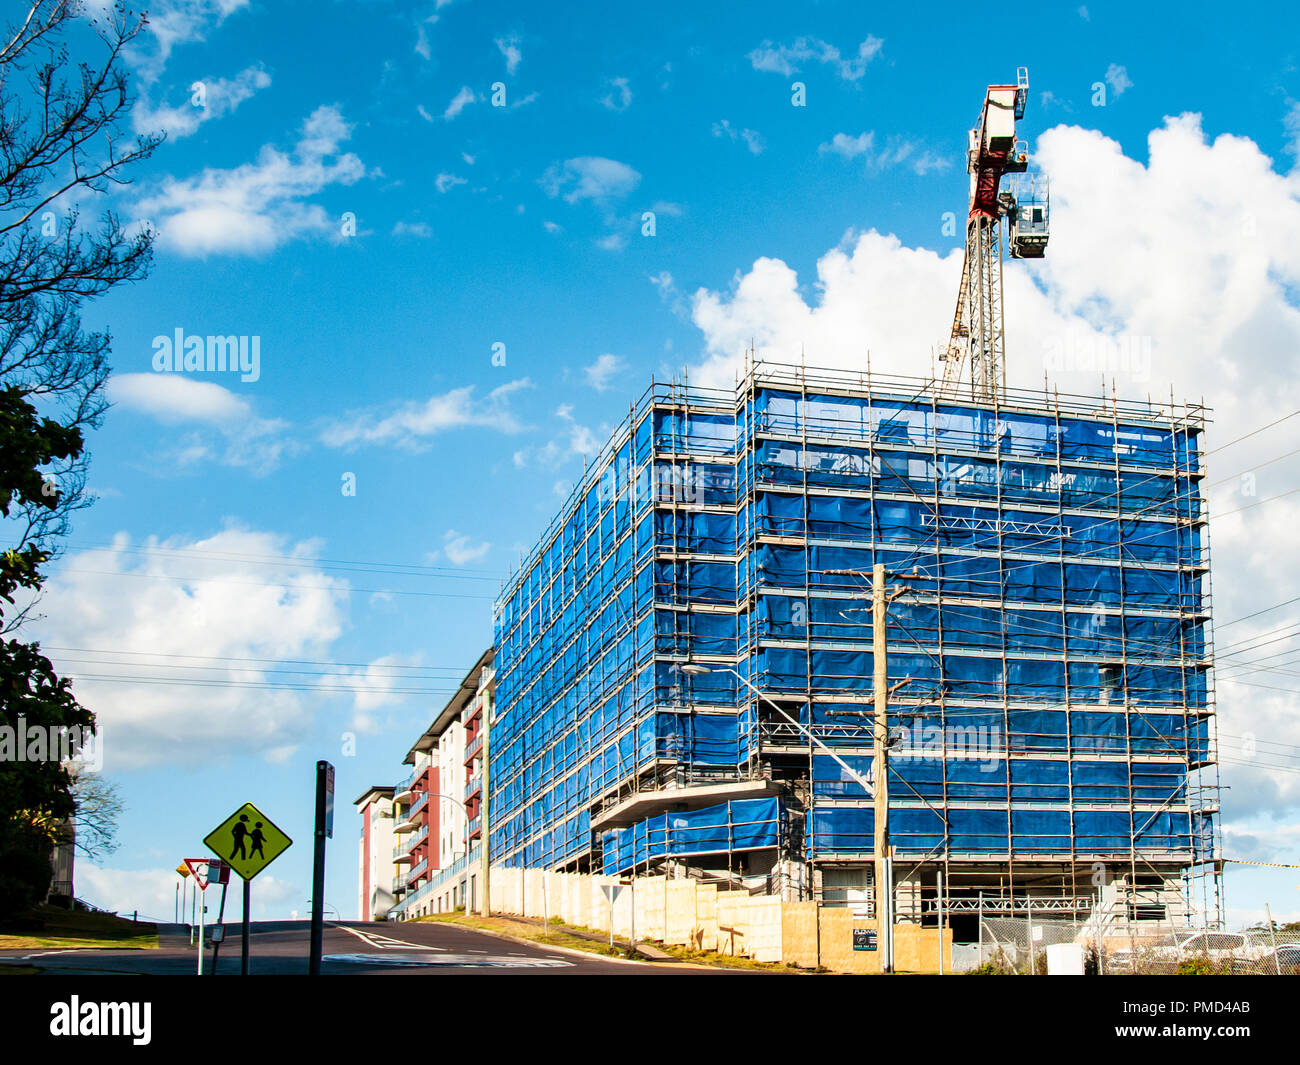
(248, 841)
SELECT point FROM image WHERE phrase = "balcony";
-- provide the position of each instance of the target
(415, 840)
(474, 786)
(475, 827)
(404, 789)
(419, 804)
(417, 869)
(475, 745)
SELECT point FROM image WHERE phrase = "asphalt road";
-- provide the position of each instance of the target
(349, 947)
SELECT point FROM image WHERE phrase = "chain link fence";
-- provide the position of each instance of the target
(1042, 946)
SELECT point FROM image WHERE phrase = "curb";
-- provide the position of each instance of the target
(574, 951)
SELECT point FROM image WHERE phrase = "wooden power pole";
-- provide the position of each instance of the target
(884, 874)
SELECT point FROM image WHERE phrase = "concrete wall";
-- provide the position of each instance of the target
(685, 912)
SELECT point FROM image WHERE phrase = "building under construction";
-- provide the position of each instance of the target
(688, 659)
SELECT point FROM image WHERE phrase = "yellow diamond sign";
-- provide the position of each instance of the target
(248, 840)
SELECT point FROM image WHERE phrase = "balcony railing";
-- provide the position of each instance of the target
(474, 826)
(419, 804)
(418, 868)
(475, 745)
(474, 786)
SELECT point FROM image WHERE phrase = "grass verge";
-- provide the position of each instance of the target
(593, 941)
(54, 928)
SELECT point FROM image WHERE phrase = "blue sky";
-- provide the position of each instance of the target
(350, 195)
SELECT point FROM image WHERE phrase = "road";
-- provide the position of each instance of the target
(349, 947)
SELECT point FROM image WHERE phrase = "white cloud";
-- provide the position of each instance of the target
(459, 102)
(619, 98)
(152, 892)
(552, 227)
(509, 49)
(216, 98)
(423, 112)
(422, 46)
(228, 432)
(412, 425)
(848, 147)
(413, 229)
(612, 242)
(256, 207)
(788, 59)
(898, 151)
(1201, 278)
(174, 398)
(590, 178)
(378, 686)
(598, 374)
(446, 182)
(173, 23)
(574, 441)
(460, 550)
(752, 138)
(1118, 80)
(196, 611)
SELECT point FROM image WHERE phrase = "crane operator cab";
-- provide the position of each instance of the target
(1029, 219)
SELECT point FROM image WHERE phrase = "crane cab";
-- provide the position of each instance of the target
(1029, 220)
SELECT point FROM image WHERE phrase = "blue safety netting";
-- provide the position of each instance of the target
(1055, 564)
(738, 825)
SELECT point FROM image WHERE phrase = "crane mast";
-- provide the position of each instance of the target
(977, 340)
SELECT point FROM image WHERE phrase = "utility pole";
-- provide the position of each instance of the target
(884, 873)
(485, 904)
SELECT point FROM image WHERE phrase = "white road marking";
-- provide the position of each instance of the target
(374, 939)
(442, 960)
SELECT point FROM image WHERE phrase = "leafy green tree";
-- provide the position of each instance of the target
(61, 143)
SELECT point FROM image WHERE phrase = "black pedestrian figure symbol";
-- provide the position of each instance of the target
(258, 838)
(239, 832)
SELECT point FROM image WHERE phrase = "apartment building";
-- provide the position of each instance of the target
(375, 881)
(438, 807)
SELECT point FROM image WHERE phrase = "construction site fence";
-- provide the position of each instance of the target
(1031, 945)
(704, 916)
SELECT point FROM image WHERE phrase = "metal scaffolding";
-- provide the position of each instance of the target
(1050, 716)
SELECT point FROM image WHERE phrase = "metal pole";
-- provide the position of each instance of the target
(243, 945)
(221, 917)
(1277, 965)
(485, 907)
(1029, 917)
(880, 763)
(201, 909)
(318, 874)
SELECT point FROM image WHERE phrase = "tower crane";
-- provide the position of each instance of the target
(977, 339)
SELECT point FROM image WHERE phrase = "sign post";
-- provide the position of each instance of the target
(198, 868)
(247, 842)
(324, 830)
(219, 873)
(611, 892)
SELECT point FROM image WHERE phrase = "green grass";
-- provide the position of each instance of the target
(594, 941)
(54, 928)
